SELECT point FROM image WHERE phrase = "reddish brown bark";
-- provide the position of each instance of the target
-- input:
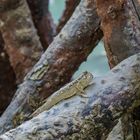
(21, 41)
(7, 78)
(121, 27)
(43, 21)
(69, 9)
(67, 58)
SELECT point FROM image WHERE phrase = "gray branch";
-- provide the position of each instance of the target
(108, 98)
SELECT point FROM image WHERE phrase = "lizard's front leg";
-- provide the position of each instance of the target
(80, 90)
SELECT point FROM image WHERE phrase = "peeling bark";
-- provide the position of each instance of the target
(43, 21)
(69, 9)
(57, 65)
(7, 78)
(108, 98)
(19, 34)
(121, 27)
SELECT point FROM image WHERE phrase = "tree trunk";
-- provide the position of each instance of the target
(21, 41)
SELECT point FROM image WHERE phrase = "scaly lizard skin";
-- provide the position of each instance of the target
(65, 92)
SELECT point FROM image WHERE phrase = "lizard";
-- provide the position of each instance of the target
(76, 87)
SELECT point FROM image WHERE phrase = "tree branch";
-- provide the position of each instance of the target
(121, 27)
(43, 21)
(7, 78)
(70, 6)
(108, 98)
(57, 65)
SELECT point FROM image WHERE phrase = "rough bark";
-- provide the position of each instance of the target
(108, 98)
(57, 65)
(121, 27)
(43, 21)
(7, 78)
(69, 9)
(123, 130)
(136, 4)
(21, 41)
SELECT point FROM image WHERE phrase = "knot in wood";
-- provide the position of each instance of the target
(112, 12)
